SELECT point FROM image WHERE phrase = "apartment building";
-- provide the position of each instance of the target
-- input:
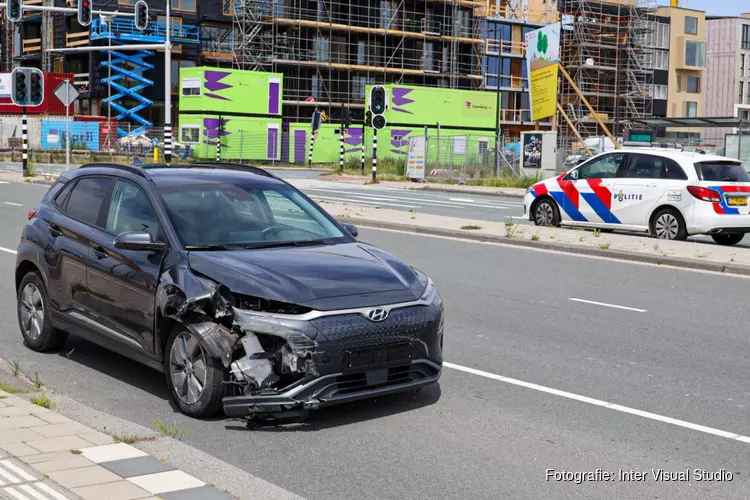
(686, 71)
(727, 88)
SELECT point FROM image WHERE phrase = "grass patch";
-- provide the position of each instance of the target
(42, 400)
(16, 367)
(534, 237)
(5, 387)
(597, 233)
(604, 245)
(169, 430)
(510, 227)
(130, 438)
(76, 452)
(471, 227)
(582, 238)
(37, 382)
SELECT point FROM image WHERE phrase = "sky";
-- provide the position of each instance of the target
(715, 7)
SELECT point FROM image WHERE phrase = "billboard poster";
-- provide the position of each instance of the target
(542, 60)
(83, 135)
(5, 85)
(415, 159)
(532, 150)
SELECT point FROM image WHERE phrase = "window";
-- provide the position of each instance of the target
(693, 85)
(659, 91)
(653, 167)
(483, 146)
(321, 48)
(691, 25)
(746, 37)
(661, 59)
(742, 93)
(721, 171)
(188, 5)
(600, 168)
(691, 109)
(190, 134)
(63, 195)
(217, 40)
(191, 87)
(679, 83)
(695, 54)
(176, 65)
(244, 215)
(131, 210)
(659, 37)
(86, 199)
(175, 28)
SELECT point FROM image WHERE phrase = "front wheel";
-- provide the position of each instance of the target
(195, 379)
(727, 239)
(35, 317)
(668, 224)
(546, 213)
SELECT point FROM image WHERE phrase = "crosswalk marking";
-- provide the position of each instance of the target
(34, 491)
(17, 470)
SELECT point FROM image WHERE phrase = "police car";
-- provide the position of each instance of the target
(668, 193)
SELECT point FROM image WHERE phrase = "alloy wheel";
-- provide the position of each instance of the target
(666, 227)
(32, 311)
(187, 368)
(544, 214)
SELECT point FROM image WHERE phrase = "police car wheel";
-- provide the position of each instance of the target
(668, 224)
(727, 239)
(546, 214)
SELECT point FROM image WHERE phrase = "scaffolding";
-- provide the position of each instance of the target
(605, 48)
(330, 50)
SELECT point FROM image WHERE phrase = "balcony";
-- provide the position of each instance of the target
(519, 14)
(124, 29)
(506, 48)
(32, 46)
(506, 82)
(81, 81)
(78, 39)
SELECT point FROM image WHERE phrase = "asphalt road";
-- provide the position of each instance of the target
(667, 345)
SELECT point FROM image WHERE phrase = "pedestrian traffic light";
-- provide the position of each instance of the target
(14, 10)
(141, 15)
(28, 87)
(85, 12)
(377, 100)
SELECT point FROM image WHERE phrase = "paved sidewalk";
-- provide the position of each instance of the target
(47, 456)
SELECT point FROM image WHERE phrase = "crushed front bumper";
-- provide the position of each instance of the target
(333, 389)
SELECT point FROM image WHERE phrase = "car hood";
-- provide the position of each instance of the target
(310, 275)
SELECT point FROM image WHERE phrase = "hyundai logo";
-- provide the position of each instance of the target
(378, 314)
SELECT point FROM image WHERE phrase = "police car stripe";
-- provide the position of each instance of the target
(604, 194)
(723, 204)
(599, 208)
(565, 204)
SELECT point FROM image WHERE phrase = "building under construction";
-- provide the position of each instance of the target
(605, 48)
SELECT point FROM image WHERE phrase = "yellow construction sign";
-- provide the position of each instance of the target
(542, 58)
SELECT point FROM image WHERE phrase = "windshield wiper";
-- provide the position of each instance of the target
(206, 247)
(278, 244)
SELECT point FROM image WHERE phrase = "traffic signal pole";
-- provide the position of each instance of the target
(374, 156)
(24, 142)
(168, 93)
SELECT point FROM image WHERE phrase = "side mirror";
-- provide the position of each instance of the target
(351, 229)
(137, 240)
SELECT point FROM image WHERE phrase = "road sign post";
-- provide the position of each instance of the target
(67, 94)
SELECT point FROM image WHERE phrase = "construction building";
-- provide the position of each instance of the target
(605, 48)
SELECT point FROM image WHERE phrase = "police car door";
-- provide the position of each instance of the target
(642, 186)
(593, 186)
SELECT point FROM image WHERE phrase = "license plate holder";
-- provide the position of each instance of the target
(737, 201)
(367, 358)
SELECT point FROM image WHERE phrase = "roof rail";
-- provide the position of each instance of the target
(659, 145)
(228, 166)
(135, 169)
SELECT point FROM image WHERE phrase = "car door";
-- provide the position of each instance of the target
(70, 230)
(588, 197)
(124, 282)
(643, 185)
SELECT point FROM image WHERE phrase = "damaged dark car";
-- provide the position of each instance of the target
(243, 291)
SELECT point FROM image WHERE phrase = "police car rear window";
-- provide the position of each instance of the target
(721, 171)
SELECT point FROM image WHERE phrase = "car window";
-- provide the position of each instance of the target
(673, 170)
(604, 167)
(642, 166)
(721, 171)
(62, 196)
(244, 215)
(86, 199)
(130, 210)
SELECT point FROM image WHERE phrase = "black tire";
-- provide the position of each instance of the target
(32, 306)
(546, 213)
(208, 403)
(668, 224)
(727, 239)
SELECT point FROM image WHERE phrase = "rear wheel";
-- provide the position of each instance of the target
(546, 213)
(35, 317)
(727, 239)
(195, 379)
(668, 224)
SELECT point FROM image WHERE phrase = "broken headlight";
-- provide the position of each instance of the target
(259, 304)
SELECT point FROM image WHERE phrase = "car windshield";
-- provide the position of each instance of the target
(721, 171)
(216, 216)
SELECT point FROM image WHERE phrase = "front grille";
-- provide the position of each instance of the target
(351, 329)
(352, 384)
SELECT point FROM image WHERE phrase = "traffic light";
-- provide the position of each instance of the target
(368, 118)
(28, 87)
(378, 122)
(85, 12)
(377, 100)
(14, 10)
(346, 117)
(141, 15)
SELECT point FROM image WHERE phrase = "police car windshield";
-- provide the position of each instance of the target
(721, 171)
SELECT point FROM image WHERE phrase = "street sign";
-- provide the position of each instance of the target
(67, 93)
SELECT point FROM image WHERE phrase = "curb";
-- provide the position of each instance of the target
(560, 247)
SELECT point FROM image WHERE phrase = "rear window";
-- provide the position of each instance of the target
(721, 171)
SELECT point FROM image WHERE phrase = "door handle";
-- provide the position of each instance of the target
(54, 229)
(652, 185)
(100, 251)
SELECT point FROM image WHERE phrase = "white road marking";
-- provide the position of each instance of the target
(604, 404)
(16, 469)
(34, 494)
(48, 490)
(445, 204)
(469, 200)
(374, 203)
(16, 494)
(3, 182)
(603, 304)
(14, 204)
(3, 249)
